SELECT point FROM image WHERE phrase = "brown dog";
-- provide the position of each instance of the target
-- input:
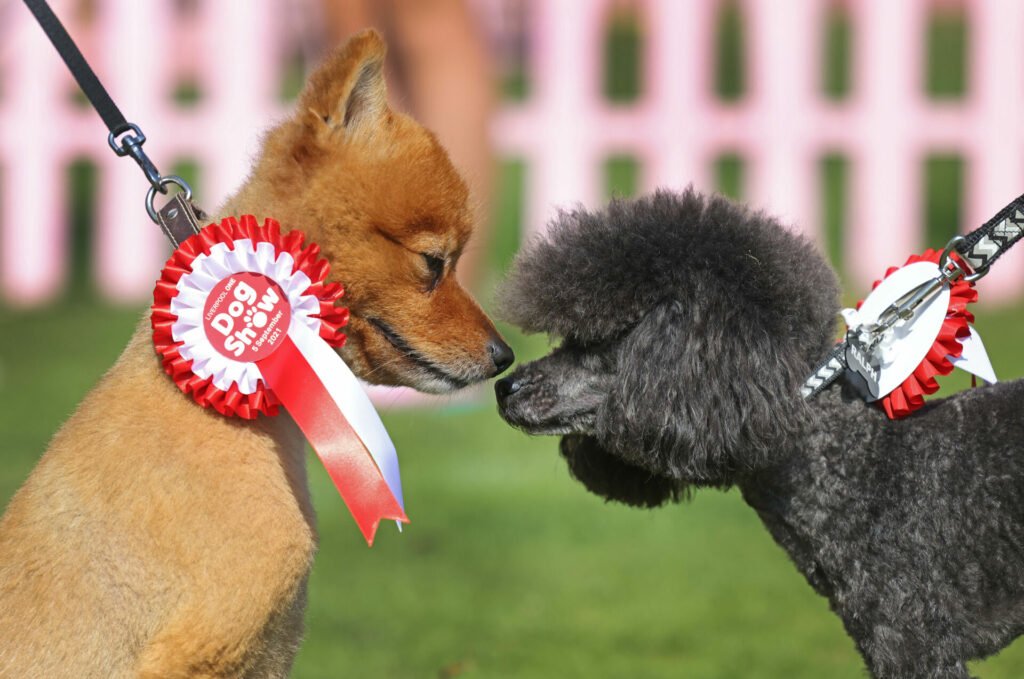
(160, 539)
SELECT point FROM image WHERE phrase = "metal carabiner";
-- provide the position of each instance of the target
(125, 144)
(953, 270)
(161, 187)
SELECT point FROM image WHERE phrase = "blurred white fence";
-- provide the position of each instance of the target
(563, 130)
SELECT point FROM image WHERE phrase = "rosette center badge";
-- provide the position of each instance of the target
(245, 316)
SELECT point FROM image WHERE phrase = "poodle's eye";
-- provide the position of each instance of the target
(599, 355)
(435, 267)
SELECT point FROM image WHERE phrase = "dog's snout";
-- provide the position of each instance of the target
(501, 354)
(507, 386)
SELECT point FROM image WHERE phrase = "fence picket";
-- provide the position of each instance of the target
(995, 166)
(563, 131)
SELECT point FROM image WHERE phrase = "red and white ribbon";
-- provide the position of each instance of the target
(914, 351)
(244, 321)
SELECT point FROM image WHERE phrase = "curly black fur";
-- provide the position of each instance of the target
(689, 324)
(608, 476)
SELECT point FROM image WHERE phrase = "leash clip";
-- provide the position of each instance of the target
(161, 186)
(131, 145)
(951, 269)
(904, 309)
(128, 142)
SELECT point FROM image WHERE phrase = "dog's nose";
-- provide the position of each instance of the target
(501, 354)
(507, 386)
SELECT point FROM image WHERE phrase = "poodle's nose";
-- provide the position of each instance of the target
(507, 386)
(501, 354)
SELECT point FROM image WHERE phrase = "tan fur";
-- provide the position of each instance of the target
(159, 539)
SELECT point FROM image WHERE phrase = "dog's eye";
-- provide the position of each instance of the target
(435, 265)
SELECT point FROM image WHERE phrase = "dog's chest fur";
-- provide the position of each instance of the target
(173, 533)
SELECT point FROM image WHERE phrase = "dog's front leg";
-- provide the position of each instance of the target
(914, 668)
(198, 646)
(926, 671)
(948, 671)
(193, 647)
(214, 639)
(955, 671)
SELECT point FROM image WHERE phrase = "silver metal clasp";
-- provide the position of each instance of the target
(128, 142)
(161, 186)
(954, 270)
(950, 271)
(904, 309)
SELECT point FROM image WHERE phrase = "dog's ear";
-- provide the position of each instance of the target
(347, 92)
(704, 390)
(608, 476)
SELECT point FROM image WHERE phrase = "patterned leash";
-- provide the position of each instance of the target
(976, 251)
(179, 218)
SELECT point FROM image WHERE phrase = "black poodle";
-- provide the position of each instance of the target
(689, 324)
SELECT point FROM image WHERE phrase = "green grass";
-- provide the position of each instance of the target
(730, 83)
(729, 175)
(509, 569)
(834, 169)
(623, 58)
(946, 45)
(943, 194)
(836, 57)
(621, 176)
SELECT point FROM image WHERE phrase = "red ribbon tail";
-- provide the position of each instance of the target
(346, 459)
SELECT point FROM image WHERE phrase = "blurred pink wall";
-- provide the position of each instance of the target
(563, 130)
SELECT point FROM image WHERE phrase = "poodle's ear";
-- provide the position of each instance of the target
(704, 390)
(608, 476)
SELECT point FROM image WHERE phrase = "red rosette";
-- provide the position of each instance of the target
(909, 395)
(232, 401)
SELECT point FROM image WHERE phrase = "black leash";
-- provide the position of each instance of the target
(178, 219)
(977, 250)
(987, 243)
